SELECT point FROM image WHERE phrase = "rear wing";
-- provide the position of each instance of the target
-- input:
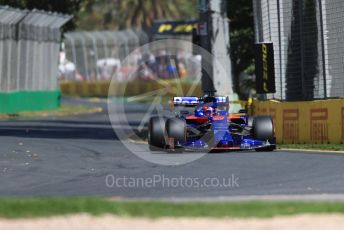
(186, 101)
(195, 101)
(222, 100)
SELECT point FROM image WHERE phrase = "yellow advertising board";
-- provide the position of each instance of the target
(134, 88)
(305, 122)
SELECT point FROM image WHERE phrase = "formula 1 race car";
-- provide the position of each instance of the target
(209, 126)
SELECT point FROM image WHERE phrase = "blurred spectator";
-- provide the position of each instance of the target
(172, 69)
(107, 68)
(67, 70)
(182, 70)
(144, 66)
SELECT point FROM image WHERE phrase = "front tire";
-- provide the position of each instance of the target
(263, 130)
(250, 121)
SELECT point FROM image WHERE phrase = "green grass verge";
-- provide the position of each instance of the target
(64, 110)
(35, 207)
(331, 147)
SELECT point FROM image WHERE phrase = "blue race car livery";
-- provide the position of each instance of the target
(209, 126)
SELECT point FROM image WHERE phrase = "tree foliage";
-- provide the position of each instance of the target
(119, 14)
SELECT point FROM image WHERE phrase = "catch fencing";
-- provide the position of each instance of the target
(29, 46)
(97, 55)
(308, 40)
(105, 55)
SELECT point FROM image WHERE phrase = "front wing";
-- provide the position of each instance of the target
(247, 144)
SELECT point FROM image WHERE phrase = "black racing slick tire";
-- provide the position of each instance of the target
(263, 130)
(176, 129)
(250, 121)
(157, 134)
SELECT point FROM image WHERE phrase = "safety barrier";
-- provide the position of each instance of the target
(312, 122)
(29, 52)
(132, 88)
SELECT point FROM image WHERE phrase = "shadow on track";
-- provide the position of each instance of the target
(59, 132)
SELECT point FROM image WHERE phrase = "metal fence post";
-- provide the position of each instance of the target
(85, 56)
(323, 47)
(1, 43)
(95, 50)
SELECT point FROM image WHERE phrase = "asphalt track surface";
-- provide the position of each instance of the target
(74, 156)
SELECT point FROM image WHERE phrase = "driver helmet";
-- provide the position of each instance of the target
(208, 110)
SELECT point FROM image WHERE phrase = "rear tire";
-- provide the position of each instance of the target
(157, 134)
(263, 130)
